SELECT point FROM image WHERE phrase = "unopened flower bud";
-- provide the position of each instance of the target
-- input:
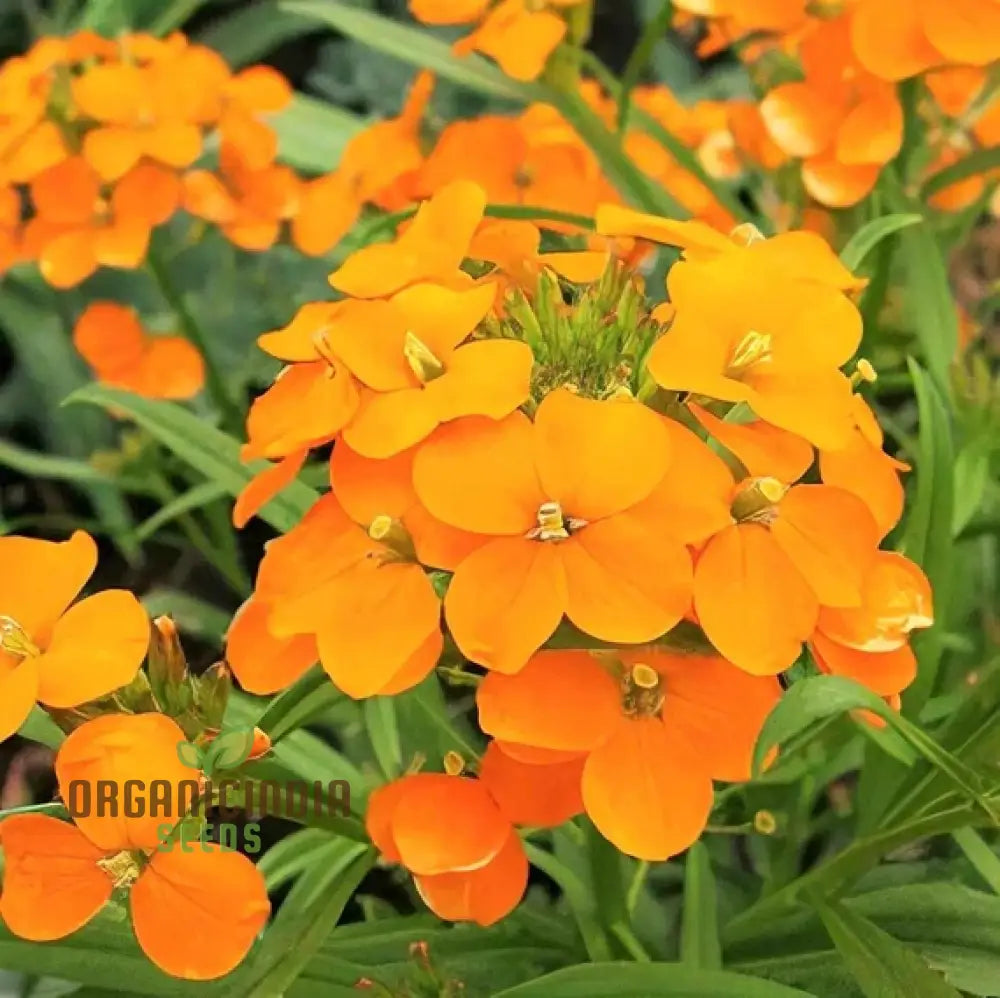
(212, 695)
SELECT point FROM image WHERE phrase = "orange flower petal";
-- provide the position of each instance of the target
(647, 790)
(542, 796)
(18, 692)
(695, 238)
(66, 193)
(838, 185)
(196, 914)
(562, 700)
(751, 600)
(830, 537)
(625, 453)
(621, 584)
(109, 633)
(387, 423)
(52, 884)
(964, 31)
(801, 118)
(112, 151)
(148, 191)
(261, 662)
(483, 896)
(873, 131)
(446, 824)
(493, 460)
(119, 748)
(263, 487)
(889, 41)
(367, 487)
(883, 672)
(505, 600)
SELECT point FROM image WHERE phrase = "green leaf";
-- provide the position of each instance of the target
(979, 162)
(980, 855)
(189, 755)
(305, 699)
(306, 918)
(312, 134)
(700, 947)
(382, 726)
(869, 236)
(194, 498)
(972, 478)
(250, 33)
(39, 727)
(206, 449)
(930, 305)
(883, 967)
(648, 980)
(928, 538)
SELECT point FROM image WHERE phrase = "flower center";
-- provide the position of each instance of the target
(397, 544)
(421, 359)
(757, 501)
(123, 868)
(753, 349)
(643, 692)
(14, 639)
(553, 525)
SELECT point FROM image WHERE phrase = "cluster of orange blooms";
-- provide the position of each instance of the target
(624, 489)
(195, 911)
(844, 118)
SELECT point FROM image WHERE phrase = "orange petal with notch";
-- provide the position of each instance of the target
(218, 897)
(561, 700)
(838, 185)
(18, 692)
(52, 884)
(483, 378)
(387, 423)
(505, 600)
(751, 601)
(261, 662)
(148, 191)
(889, 41)
(873, 131)
(870, 474)
(112, 151)
(66, 193)
(801, 118)
(543, 796)
(483, 896)
(647, 790)
(119, 748)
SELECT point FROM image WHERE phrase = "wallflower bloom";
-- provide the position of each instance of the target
(870, 643)
(195, 912)
(759, 583)
(467, 861)
(563, 504)
(50, 651)
(669, 724)
(112, 341)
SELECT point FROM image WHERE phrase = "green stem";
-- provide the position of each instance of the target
(639, 59)
(232, 416)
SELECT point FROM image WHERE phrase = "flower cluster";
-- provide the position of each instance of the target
(842, 116)
(100, 140)
(523, 450)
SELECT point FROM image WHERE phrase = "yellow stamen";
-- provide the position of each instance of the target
(553, 525)
(757, 501)
(753, 349)
(644, 676)
(123, 868)
(865, 371)
(323, 348)
(422, 361)
(14, 639)
(395, 538)
(454, 764)
(745, 234)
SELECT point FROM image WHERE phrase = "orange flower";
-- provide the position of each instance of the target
(562, 506)
(113, 342)
(759, 583)
(870, 643)
(844, 123)
(50, 651)
(894, 40)
(465, 856)
(359, 590)
(195, 912)
(76, 229)
(667, 723)
(248, 203)
(431, 248)
(745, 322)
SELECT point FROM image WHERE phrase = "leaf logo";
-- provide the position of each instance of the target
(226, 751)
